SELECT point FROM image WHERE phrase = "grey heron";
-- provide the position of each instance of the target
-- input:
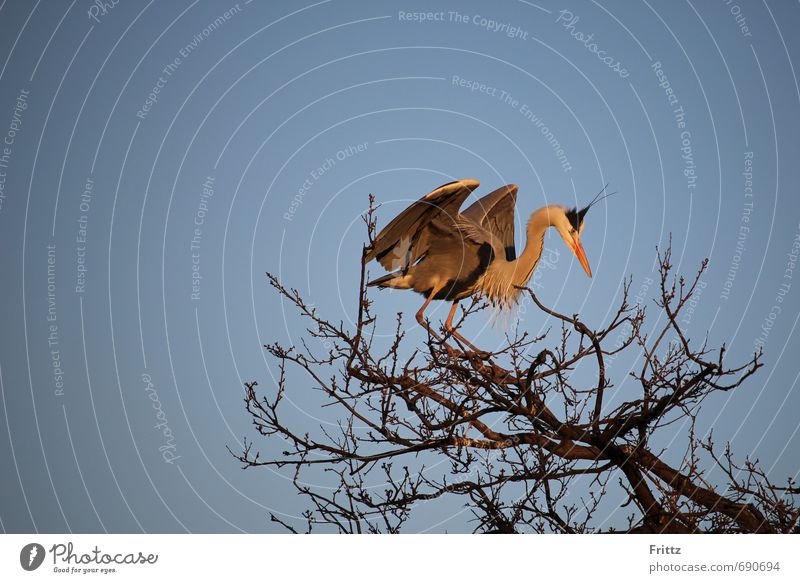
(444, 254)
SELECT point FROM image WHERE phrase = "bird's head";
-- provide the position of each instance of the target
(569, 223)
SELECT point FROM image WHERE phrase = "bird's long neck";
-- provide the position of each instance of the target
(502, 278)
(524, 265)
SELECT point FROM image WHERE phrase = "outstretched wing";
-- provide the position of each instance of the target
(495, 213)
(409, 236)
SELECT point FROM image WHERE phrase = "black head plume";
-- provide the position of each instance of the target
(575, 216)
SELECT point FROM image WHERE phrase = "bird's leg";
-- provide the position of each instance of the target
(448, 326)
(421, 316)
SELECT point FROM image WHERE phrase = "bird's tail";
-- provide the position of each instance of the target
(397, 280)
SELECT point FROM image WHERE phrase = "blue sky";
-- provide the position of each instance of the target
(222, 141)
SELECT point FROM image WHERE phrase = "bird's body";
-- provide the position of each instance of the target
(445, 254)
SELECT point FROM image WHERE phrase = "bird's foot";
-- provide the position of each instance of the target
(478, 353)
(468, 349)
(465, 354)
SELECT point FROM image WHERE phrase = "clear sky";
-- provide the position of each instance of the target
(158, 158)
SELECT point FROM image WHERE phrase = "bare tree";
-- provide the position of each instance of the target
(527, 446)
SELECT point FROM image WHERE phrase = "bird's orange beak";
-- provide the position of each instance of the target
(577, 249)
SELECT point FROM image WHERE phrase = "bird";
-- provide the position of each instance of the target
(444, 254)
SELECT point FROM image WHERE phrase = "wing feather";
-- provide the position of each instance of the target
(495, 213)
(408, 236)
